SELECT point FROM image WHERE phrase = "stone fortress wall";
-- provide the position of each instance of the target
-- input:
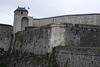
(42, 40)
(77, 57)
(33, 46)
(50, 43)
(5, 36)
(74, 19)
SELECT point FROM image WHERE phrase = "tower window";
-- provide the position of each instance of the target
(21, 12)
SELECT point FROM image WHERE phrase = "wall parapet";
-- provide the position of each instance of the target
(93, 51)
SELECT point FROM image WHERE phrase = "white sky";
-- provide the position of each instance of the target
(47, 8)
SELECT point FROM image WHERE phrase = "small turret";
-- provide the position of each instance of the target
(20, 19)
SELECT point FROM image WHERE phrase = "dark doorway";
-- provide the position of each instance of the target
(24, 23)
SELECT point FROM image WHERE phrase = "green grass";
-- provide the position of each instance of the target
(78, 47)
(88, 25)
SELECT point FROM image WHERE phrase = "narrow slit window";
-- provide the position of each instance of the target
(21, 12)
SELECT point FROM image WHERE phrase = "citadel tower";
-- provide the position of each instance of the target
(20, 19)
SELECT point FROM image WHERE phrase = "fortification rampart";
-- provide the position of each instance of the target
(34, 40)
(77, 57)
(62, 41)
(82, 35)
(5, 36)
(74, 19)
(43, 39)
(33, 47)
(60, 57)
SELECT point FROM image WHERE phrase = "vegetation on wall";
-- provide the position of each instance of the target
(77, 47)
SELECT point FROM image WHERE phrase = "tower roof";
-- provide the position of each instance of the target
(21, 9)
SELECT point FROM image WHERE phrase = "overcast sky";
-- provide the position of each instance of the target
(47, 8)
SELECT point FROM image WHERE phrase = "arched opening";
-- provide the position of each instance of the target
(24, 23)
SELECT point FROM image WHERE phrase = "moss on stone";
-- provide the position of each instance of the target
(88, 25)
(78, 47)
(2, 64)
(1, 49)
(67, 23)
